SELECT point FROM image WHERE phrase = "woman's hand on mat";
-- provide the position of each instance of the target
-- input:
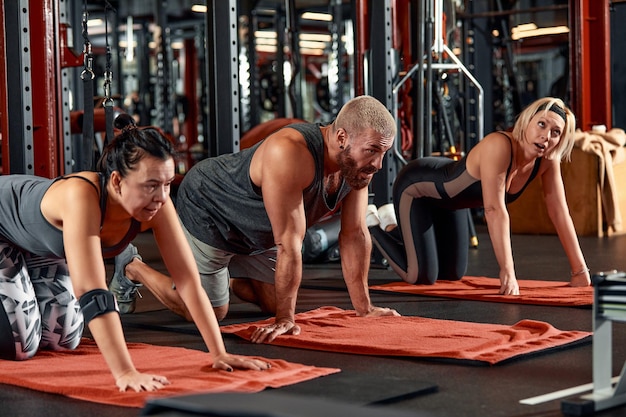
(581, 279)
(269, 333)
(381, 311)
(140, 382)
(509, 285)
(228, 362)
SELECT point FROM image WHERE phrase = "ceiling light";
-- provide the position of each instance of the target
(320, 37)
(554, 30)
(199, 8)
(95, 22)
(312, 44)
(265, 34)
(523, 27)
(266, 41)
(317, 16)
(266, 48)
(308, 51)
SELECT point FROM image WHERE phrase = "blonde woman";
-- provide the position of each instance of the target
(432, 196)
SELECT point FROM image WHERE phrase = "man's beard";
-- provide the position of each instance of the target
(350, 171)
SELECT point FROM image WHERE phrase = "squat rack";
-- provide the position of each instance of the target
(424, 69)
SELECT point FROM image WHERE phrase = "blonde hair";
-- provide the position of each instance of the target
(562, 151)
(365, 112)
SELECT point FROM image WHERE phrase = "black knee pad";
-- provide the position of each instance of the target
(96, 302)
(7, 342)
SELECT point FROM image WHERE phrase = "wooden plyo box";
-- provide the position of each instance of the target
(581, 177)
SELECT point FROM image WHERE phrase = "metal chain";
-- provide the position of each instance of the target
(87, 73)
(108, 74)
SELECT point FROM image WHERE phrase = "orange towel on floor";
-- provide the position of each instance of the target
(83, 374)
(336, 330)
(552, 293)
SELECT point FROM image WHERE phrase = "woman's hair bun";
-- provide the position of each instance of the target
(124, 121)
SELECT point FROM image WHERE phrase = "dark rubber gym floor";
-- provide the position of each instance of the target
(395, 383)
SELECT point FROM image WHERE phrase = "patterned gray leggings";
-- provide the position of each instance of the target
(38, 308)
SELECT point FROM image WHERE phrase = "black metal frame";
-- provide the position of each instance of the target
(19, 88)
(223, 77)
(381, 63)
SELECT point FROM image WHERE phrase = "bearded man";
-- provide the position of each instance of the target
(245, 214)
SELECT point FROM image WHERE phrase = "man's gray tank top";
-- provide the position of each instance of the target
(220, 206)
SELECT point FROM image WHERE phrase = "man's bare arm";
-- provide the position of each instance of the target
(355, 247)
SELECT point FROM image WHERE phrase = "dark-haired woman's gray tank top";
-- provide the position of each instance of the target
(23, 224)
(220, 206)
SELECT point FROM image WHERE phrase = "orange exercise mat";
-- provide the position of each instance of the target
(550, 293)
(83, 374)
(335, 330)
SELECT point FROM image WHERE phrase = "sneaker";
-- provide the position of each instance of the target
(371, 217)
(387, 217)
(125, 290)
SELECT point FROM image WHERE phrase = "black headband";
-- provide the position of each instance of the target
(556, 109)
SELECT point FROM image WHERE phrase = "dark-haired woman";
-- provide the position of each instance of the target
(54, 235)
(431, 196)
